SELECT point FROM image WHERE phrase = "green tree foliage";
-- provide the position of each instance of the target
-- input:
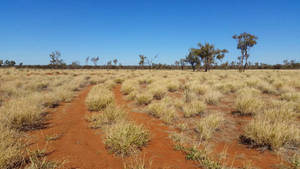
(1, 62)
(192, 59)
(115, 62)
(245, 42)
(142, 60)
(208, 54)
(55, 59)
(9, 63)
(95, 60)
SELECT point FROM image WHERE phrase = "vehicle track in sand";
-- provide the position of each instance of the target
(77, 144)
(160, 148)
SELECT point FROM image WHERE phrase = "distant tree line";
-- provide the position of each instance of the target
(204, 57)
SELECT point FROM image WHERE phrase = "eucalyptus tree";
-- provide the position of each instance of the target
(245, 41)
(115, 62)
(208, 54)
(55, 58)
(192, 59)
(142, 60)
(95, 60)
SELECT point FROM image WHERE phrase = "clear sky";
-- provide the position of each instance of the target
(31, 29)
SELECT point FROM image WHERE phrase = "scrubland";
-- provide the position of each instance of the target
(257, 110)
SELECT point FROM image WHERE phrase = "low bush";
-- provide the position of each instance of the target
(207, 126)
(247, 104)
(162, 111)
(194, 108)
(263, 132)
(212, 97)
(99, 98)
(12, 151)
(109, 116)
(127, 88)
(22, 113)
(143, 99)
(125, 138)
(172, 86)
(158, 93)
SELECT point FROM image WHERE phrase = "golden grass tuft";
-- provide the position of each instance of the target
(99, 98)
(194, 108)
(125, 138)
(208, 125)
(110, 115)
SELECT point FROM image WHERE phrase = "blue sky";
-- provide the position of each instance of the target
(31, 29)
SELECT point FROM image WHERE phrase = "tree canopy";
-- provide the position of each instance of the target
(208, 54)
(244, 42)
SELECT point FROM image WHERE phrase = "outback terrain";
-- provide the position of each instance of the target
(149, 119)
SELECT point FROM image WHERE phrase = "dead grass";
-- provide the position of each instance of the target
(99, 98)
(125, 138)
(208, 125)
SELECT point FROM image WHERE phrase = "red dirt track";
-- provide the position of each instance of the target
(78, 145)
(160, 148)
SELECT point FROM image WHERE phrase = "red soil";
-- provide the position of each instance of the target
(78, 145)
(227, 139)
(160, 148)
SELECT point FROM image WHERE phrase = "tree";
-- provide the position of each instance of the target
(150, 61)
(55, 58)
(1, 62)
(208, 54)
(182, 63)
(142, 60)
(245, 42)
(192, 59)
(95, 60)
(9, 63)
(115, 62)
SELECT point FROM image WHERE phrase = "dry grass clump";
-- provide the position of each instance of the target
(110, 115)
(99, 98)
(208, 125)
(143, 99)
(158, 93)
(264, 132)
(137, 163)
(172, 86)
(228, 87)
(118, 80)
(290, 96)
(12, 151)
(124, 138)
(278, 111)
(274, 127)
(21, 113)
(266, 88)
(194, 108)
(127, 88)
(162, 111)
(248, 104)
(199, 89)
(144, 81)
(132, 95)
(212, 97)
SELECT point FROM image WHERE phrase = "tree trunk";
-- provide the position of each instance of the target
(206, 64)
(246, 60)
